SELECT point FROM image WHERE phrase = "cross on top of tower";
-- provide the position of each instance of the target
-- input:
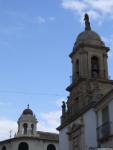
(87, 22)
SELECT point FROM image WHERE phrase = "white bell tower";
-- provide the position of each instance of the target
(27, 123)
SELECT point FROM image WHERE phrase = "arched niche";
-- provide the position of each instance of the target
(51, 147)
(23, 146)
(32, 128)
(95, 67)
(4, 148)
(25, 126)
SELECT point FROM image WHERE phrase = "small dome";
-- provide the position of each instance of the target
(27, 111)
(88, 35)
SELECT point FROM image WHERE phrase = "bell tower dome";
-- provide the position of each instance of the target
(27, 123)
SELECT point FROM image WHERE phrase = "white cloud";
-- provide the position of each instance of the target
(74, 5)
(6, 126)
(51, 18)
(103, 6)
(97, 9)
(20, 22)
(50, 121)
(41, 19)
(23, 17)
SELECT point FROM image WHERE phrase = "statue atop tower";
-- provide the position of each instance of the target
(87, 23)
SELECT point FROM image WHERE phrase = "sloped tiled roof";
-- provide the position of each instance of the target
(48, 136)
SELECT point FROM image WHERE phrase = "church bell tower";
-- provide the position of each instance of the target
(89, 55)
(90, 79)
(27, 124)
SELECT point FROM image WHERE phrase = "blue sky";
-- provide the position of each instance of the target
(36, 38)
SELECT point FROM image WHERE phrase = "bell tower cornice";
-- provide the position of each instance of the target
(84, 46)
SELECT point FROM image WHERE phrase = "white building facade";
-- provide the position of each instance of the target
(85, 125)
